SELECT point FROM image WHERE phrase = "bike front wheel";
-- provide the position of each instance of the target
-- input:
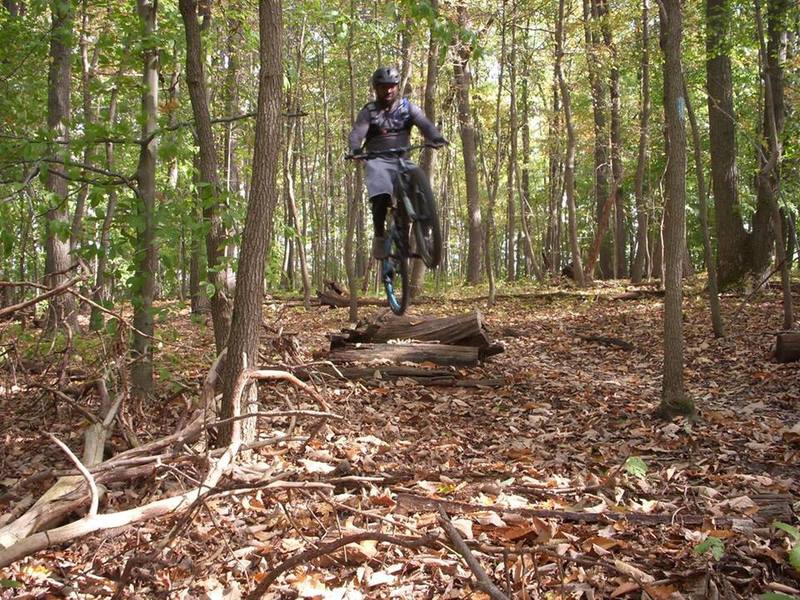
(395, 277)
(427, 232)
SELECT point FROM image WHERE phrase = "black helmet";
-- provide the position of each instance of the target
(385, 76)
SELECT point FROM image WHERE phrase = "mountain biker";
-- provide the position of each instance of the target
(386, 124)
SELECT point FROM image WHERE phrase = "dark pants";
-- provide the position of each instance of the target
(380, 205)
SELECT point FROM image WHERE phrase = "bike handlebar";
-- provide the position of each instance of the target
(393, 151)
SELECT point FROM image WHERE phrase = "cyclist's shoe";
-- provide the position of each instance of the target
(378, 248)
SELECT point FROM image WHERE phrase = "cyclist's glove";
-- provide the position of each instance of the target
(357, 152)
(439, 141)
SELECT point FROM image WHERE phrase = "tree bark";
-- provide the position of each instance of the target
(246, 323)
(642, 217)
(426, 160)
(463, 78)
(209, 183)
(731, 235)
(61, 308)
(593, 12)
(708, 251)
(569, 161)
(100, 294)
(145, 264)
(511, 211)
(674, 400)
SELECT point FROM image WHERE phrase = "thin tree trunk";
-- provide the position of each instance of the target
(100, 294)
(569, 162)
(426, 160)
(511, 226)
(642, 217)
(62, 307)
(246, 324)
(593, 12)
(769, 173)
(463, 78)
(674, 400)
(145, 263)
(354, 185)
(210, 187)
(708, 251)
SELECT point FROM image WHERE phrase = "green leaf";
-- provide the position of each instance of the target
(10, 583)
(635, 466)
(793, 532)
(776, 596)
(210, 289)
(716, 545)
(794, 557)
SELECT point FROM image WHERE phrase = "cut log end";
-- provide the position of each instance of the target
(787, 347)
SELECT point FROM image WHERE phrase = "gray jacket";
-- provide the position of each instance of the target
(385, 129)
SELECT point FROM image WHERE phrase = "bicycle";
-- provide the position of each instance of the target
(412, 208)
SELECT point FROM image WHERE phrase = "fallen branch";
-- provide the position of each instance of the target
(484, 583)
(324, 549)
(83, 471)
(56, 291)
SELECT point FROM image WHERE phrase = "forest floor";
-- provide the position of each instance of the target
(562, 481)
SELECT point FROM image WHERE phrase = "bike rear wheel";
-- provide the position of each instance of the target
(427, 232)
(395, 273)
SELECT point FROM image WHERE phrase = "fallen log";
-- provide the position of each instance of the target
(460, 330)
(787, 347)
(380, 374)
(336, 301)
(439, 354)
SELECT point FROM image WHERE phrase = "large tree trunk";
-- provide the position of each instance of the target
(144, 282)
(673, 397)
(426, 160)
(593, 12)
(246, 323)
(642, 218)
(209, 174)
(463, 78)
(569, 161)
(731, 235)
(57, 260)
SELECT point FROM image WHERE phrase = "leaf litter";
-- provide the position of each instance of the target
(549, 479)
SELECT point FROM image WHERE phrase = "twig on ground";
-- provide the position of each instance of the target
(483, 582)
(312, 553)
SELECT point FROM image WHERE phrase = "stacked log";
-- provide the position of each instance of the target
(459, 340)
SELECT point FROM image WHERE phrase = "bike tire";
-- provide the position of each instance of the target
(427, 231)
(395, 274)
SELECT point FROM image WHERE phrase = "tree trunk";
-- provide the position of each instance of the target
(246, 323)
(620, 212)
(210, 187)
(708, 251)
(642, 217)
(511, 211)
(772, 56)
(593, 12)
(463, 78)
(354, 185)
(731, 235)
(62, 307)
(426, 160)
(673, 397)
(100, 294)
(145, 264)
(569, 161)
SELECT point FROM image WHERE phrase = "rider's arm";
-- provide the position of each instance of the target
(359, 132)
(427, 128)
